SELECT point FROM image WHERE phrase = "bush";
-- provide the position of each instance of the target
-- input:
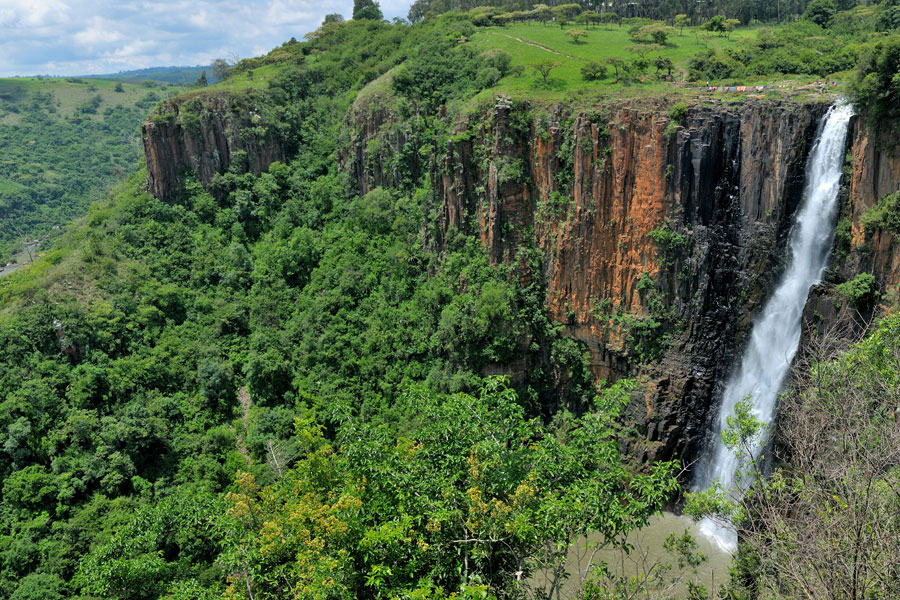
(668, 239)
(593, 71)
(884, 216)
(713, 65)
(861, 292)
(678, 113)
(876, 79)
(819, 12)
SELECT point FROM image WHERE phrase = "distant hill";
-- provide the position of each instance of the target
(64, 141)
(179, 75)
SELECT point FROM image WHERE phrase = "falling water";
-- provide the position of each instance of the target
(776, 334)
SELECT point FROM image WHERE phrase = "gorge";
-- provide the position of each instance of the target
(640, 221)
(427, 310)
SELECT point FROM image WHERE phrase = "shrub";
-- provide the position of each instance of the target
(884, 216)
(669, 239)
(678, 113)
(861, 292)
(819, 12)
(593, 71)
(876, 80)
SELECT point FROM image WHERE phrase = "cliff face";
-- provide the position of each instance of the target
(876, 174)
(203, 135)
(658, 240)
(380, 148)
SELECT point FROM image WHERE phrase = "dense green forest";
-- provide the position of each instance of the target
(276, 388)
(65, 142)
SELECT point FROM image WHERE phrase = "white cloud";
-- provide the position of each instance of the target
(79, 37)
(98, 32)
(32, 13)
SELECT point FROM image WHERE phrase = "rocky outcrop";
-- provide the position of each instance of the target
(203, 134)
(380, 148)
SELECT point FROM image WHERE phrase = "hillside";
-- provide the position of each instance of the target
(384, 314)
(65, 141)
(185, 76)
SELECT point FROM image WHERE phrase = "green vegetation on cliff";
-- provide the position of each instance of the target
(826, 522)
(276, 387)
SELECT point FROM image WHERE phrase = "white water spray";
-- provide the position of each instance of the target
(776, 334)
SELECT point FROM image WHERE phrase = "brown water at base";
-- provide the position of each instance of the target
(648, 551)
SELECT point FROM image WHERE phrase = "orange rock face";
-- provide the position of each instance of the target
(876, 174)
(591, 190)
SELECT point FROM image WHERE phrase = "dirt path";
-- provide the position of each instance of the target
(536, 45)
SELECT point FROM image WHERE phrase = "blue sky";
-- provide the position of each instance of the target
(80, 37)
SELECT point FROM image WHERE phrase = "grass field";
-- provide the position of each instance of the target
(530, 43)
(70, 93)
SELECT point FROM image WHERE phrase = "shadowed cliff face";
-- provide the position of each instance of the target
(202, 135)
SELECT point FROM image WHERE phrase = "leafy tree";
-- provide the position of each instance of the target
(609, 17)
(819, 12)
(716, 24)
(566, 12)
(666, 237)
(875, 84)
(367, 9)
(664, 64)
(333, 18)
(575, 34)
(201, 81)
(619, 66)
(682, 21)
(861, 292)
(888, 15)
(469, 490)
(222, 68)
(40, 586)
(591, 17)
(730, 24)
(657, 33)
(643, 49)
(543, 68)
(542, 12)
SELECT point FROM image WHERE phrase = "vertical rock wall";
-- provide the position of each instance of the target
(592, 190)
(200, 135)
(876, 174)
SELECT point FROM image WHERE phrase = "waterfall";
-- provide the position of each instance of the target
(776, 333)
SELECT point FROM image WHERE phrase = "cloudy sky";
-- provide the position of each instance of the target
(80, 37)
